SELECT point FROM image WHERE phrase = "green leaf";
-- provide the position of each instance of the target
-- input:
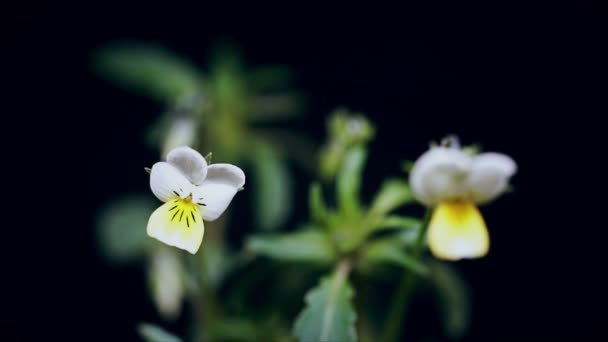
(329, 314)
(121, 228)
(393, 194)
(316, 202)
(228, 79)
(153, 333)
(308, 245)
(399, 222)
(453, 298)
(407, 237)
(149, 69)
(349, 180)
(392, 251)
(272, 188)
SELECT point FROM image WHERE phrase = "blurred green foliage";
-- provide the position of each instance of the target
(223, 110)
(255, 294)
(120, 236)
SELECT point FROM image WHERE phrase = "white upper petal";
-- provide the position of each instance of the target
(489, 176)
(166, 181)
(191, 163)
(440, 174)
(222, 183)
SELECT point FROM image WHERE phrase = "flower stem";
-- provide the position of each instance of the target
(204, 307)
(343, 269)
(398, 311)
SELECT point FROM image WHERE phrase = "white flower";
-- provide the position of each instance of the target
(192, 191)
(454, 182)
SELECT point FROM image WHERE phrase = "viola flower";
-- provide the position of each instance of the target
(192, 191)
(454, 183)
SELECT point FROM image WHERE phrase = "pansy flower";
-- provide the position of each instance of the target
(192, 191)
(454, 183)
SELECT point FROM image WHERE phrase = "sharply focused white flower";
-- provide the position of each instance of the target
(453, 183)
(192, 191)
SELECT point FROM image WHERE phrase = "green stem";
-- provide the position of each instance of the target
(204, 307)
(398, 311)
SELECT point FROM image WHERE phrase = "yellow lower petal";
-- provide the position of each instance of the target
(457, 231)
(178, 223)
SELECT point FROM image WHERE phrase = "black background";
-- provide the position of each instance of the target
(522, 79)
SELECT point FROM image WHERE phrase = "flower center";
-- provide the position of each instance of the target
(184, 210)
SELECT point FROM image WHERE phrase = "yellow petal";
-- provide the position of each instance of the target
(457, 231)
(178, 223)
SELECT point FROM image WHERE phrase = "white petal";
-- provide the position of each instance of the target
(167, 182)
(191, 163)
(489, 176)
(440, 174)
(177, 223)
(226, 174)
(222, 183)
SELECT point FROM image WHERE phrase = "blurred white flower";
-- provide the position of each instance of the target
(167, 282)
(181, 133)
(454, 182)
(192, 191)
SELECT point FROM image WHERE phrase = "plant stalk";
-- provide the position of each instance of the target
(398, 312)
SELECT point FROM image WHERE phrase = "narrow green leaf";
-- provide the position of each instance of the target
(121, 228)
(329, 314)
(309, 245)
(349, 179)
(316, 202)
(149, 69)
(453, 298)
(407, 237)
(391, 251)
(399, 222)
(153, 333)
(393, 194)
(148, 170)
(272, 188)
